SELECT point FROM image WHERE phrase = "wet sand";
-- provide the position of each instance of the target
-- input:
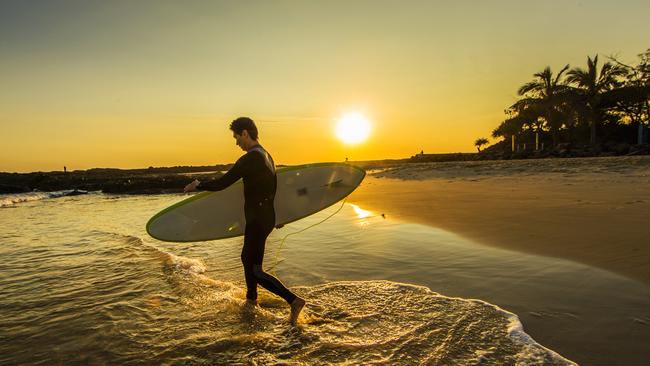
(595, 211)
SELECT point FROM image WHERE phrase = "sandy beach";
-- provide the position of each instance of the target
(594, 210)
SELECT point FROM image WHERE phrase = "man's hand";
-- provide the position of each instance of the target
(191, 187)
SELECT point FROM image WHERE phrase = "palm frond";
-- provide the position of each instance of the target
(532, 86)
(578, 76)
(559, 74)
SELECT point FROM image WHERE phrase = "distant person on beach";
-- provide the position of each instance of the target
(257, 170)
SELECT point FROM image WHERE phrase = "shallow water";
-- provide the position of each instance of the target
(81, 282)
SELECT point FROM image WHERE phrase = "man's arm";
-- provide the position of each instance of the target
(234, 174)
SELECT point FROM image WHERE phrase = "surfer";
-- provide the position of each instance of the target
(257, 170)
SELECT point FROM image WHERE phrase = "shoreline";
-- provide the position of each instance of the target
(590, 210)
(160, 180)
(597, 216)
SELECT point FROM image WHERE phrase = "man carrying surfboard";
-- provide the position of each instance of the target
(257, 170)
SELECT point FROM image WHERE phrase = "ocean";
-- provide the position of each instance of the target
(82, 283)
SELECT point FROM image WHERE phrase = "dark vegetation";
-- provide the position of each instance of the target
(601, 109)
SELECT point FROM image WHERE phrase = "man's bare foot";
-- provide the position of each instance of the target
(296, 307)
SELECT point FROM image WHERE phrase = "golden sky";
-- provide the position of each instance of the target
(136, 83)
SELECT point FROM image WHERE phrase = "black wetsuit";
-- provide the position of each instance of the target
(257, 170)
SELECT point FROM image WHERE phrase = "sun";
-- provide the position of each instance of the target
(353, 128)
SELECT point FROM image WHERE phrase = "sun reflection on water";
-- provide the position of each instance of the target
(361, 213)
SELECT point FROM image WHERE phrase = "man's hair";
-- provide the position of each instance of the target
(244, 123)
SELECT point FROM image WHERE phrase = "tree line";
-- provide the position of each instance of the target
(593, 106)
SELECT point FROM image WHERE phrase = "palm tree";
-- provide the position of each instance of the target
(480, 142)
(509, 127)
(592, 85)
(545, 98)
(631, 101)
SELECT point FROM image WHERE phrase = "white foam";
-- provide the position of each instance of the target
(188, 265)
(531, 353)
(12, 199)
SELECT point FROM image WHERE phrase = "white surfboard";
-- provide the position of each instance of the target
(301, 191)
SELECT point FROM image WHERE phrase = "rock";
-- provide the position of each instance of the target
(4, 189)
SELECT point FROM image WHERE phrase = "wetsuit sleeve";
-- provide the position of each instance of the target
(234, 174)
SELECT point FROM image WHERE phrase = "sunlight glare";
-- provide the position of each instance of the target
(353, 128)
(361, 213)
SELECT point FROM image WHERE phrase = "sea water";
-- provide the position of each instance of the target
(82, 283)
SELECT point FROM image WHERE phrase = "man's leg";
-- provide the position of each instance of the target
(255, 241)
(251, 281)
(272, 284)
(248, 260)
(254, 245)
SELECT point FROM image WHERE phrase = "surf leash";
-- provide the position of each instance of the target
(277, 253)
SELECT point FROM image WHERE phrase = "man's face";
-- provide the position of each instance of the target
(240, 139)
